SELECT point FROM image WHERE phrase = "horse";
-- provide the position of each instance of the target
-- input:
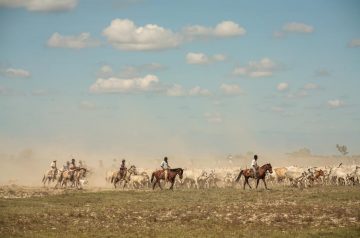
(73, 176)
(160, 175)
(126, 176)
(79, 174)
(249, 173)
(50, 175)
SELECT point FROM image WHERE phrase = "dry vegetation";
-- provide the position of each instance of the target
(280, 212)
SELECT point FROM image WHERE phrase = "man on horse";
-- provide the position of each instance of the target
(72, 168)
(66, 166)
(254, 166)
(123, 169)
(165, 167)
(53, 169)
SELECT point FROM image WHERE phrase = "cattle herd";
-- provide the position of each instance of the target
(225, 177)
(140, 178)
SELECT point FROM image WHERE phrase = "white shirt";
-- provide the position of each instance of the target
(164, 165)
(253, 163)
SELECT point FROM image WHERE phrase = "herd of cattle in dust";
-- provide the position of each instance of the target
(140, 178)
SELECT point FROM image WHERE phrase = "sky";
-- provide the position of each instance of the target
(185, 78)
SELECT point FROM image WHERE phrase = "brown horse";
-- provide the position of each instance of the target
(159, 175)
(249, 173)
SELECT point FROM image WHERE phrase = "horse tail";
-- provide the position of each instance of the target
(239, 176)
(152, 177)
(112, 178)
(43, 179)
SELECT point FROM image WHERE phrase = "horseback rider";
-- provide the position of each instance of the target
(165, 166)
(66, 166)
(123, 169)
(72, 168)
(254, 166)
(53, 168)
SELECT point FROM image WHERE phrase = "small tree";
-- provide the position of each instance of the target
(342, 149)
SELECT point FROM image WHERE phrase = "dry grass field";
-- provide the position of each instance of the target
(281, 212)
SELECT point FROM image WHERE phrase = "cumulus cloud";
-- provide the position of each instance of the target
(41, 5)
(123, 34)
(197, 91)
(221, 30)
(256, 69)
(213, 117)
(293, 27)
(106, 71)
(83, 40)
(297, 27)
(282, 87)
(16, 73)
(118, 85)
(201, 58)
(335, 103)
(354, 43)
(130, 71)
(230, 89)
(176, 91)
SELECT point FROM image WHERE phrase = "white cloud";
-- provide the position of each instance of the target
(83, 40)
(354, 43)
(123, 34)
(201, 58)
(222, 29)
(282, 87)
(176, 91)
(310, 86)
(213, 117)
(41, 5)
(113, 85)
(335, 103)
(16, 73)
(197, 91)
(106, 71)
(197, 58)
(256, 69)
(230, 89)
(297, 27)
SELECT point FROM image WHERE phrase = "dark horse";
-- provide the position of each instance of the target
(159, 175)
(249, 173)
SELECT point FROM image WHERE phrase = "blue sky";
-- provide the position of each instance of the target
(180, 78)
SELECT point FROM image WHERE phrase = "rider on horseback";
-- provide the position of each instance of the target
(123, 169)
(72, 168)
(254, 166)
(53, 169)
(165, 166)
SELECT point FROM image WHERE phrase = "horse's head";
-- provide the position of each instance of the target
(269, 168)
(132, 169)
(181, 171)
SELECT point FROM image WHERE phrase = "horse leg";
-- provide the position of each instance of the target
(158, 181)
(257, 183)
(247, 181)
(154, 184)
(125, 182)
(264, 183)
(172, 185)
(244, 183)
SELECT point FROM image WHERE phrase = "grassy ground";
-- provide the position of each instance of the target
(281, 212)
